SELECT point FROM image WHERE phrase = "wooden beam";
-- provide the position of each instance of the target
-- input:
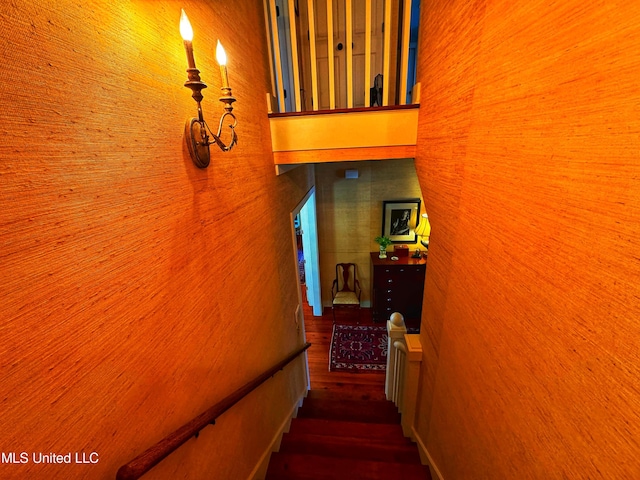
(344, 155)
(359, 128)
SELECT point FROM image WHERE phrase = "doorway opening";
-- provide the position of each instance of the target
(305, 233)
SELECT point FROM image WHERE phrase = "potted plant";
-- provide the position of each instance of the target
(384, 242)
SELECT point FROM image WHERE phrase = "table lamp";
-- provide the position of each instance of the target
(423, 230)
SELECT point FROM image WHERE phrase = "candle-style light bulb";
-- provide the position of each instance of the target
(221, 57)
(185, 27)
(187, 36)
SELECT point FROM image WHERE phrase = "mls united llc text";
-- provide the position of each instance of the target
(39, 457)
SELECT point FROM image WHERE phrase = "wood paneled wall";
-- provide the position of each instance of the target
(528, 160)
(350, 214)
(137, 290)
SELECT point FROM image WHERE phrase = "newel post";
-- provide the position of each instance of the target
(396, 329)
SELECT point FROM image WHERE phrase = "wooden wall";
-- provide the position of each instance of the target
(137, 290)
(350, 214)
(528, 161)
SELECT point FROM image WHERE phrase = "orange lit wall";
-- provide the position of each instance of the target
(528, 159)
(137, 290)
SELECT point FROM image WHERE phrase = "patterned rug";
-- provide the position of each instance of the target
(358, 348)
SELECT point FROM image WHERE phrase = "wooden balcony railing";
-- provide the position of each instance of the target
(155, 454)
(328, 54)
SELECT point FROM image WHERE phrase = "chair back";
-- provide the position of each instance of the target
(346, 281)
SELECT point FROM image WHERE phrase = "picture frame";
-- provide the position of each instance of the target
(399, 220)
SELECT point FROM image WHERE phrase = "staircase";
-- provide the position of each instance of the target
(335, 437)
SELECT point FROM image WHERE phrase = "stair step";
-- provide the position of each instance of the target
(337, 436)
(368, 411)
(358, 389)
(287, 466)
(377, 432)
(341, 392)
(350, 447)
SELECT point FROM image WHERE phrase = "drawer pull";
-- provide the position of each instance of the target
(390, 280)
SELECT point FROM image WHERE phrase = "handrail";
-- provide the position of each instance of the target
(408, 106)
(154, 455)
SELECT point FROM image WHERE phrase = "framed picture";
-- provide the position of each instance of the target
(399, 219)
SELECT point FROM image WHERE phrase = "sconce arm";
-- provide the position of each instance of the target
(234, 137)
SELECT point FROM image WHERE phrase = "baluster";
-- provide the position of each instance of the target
(314, 56)
(400, 377)
(404, 64)
(295, 61)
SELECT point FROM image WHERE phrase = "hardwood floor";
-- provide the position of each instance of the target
(356, 386)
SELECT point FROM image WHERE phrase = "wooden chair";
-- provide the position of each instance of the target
(345, 290)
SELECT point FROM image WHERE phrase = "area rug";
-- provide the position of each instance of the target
(358, 348)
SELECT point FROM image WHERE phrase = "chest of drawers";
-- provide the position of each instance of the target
(397, 287)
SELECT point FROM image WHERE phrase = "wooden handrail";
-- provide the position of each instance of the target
(154, 455)
(408, 106)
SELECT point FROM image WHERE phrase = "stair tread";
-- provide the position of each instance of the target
(365, 398)
(370, 411)
(284, 466)
(347, 392)
(350, 447)
(373, 431)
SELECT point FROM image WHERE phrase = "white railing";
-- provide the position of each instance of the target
(404, 357)
(334, 54)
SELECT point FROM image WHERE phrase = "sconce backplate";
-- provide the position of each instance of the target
(196, 141)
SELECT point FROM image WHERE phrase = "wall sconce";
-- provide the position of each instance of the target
(197, 133)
